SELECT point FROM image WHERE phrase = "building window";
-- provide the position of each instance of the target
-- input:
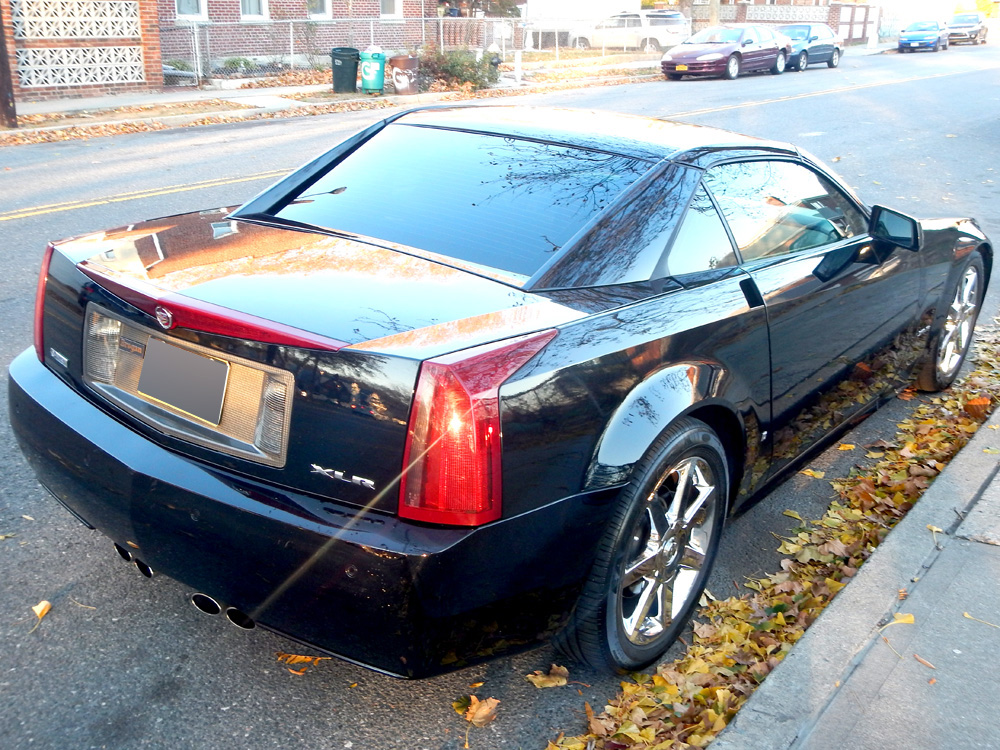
(190, 8)
(392, 8)
(318, 8)
(253, 8)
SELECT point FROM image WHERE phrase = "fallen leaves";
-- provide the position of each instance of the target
(41, 609)
(924, 662)
(305, 661)
(970, 617)
(738, 641)
(556, 677)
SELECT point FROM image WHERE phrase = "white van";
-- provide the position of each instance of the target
(650, 30)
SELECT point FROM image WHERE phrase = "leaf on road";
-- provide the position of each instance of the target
(557, 677)
(461, 705)
(970, 617)
(7, 536)
(845, 447)
(924, 662)
(898, 618)
(792, 514)
(813, 474)
(991, 451)
(299, 659)
(41, 609)
(27, 518)
(480, 713)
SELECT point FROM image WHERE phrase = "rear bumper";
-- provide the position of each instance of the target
(398, 597)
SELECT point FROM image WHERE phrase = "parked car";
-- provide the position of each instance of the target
(812, 43)
(416, 440)
(651, 30)
(967, 27)
(930, 35)
(727, 51)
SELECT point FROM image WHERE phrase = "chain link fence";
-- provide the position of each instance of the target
(196, 51)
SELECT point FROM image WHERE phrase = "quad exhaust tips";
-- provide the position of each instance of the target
(202, 602)
(127, 556)
(208, 605)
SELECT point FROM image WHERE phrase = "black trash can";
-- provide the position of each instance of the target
(345, 69)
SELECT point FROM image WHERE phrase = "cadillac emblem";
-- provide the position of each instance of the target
(165, 318)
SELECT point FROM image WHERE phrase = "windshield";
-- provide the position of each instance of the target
(967, 18)
(716, 35)
(795, 33)
(922, 26)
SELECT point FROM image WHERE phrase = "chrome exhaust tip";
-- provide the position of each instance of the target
(123, 553)
(205, 603)
(143, 568)
(240, 619)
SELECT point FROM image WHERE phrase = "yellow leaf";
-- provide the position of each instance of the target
(966, 614)
(898, 618)
(845, 447)
(27, 518)
(475, 685)
(41, 609)
(461, 705)
(991, 451)
(791, 514)
(813, 474)
(480, 713)
(557, 677)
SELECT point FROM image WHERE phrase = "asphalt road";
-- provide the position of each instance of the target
(126, 662)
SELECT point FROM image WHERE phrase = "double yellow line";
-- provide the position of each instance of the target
(53, 208)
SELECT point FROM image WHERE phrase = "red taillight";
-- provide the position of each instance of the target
(43, 277)
(452, 457)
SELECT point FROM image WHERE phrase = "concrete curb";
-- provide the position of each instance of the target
(787, 705)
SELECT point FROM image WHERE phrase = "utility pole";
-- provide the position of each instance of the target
(8, 116)
(713, 12)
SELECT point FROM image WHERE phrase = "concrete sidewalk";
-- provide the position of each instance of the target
(843, 686)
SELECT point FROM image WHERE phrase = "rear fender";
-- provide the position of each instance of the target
(664, 396)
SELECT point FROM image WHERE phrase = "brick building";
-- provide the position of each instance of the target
(69, 48)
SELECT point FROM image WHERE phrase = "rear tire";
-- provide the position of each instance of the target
(650, 45)
(654, 560)
(834, 60)
(582, 43)
(952, 336)
(732, 68)
(779, 64)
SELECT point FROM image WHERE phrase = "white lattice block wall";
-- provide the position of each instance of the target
(70, 19)
(787, 13)
(79, 66)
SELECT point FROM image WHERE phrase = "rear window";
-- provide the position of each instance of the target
(500, 202)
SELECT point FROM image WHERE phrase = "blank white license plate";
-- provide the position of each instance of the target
(914, 44)
(194, 384)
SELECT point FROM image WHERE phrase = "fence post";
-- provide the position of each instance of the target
(441, 34)
(197, 51)
(291, 45)
(371, 33)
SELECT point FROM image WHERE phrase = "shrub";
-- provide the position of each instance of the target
(455, 69)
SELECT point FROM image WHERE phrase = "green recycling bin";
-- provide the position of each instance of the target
(344, 62)
(372, 72)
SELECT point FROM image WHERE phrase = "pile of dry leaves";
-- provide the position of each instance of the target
(739, 640)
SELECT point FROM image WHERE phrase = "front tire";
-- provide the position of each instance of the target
(582, 43)
(779, 64)
(650, 45)
(834, 60)
(732, 68)
(802, 61)
(654, 560)
(674, 76)
(949, 344)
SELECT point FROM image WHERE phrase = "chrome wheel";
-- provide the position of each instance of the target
(732, 67)
(959, 323)
(668, 549)
(803, 62)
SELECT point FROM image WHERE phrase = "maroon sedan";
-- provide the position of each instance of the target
(726, 51)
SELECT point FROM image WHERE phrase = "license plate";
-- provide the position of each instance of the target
(914, 44)
(682, 67)
(189, 382)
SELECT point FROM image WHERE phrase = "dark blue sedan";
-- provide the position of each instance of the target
(812, 43)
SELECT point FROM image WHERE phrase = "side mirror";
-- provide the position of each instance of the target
(747, 41)
(895, 228)
(813, 38)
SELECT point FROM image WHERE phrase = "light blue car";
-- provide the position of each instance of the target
(930, 35)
